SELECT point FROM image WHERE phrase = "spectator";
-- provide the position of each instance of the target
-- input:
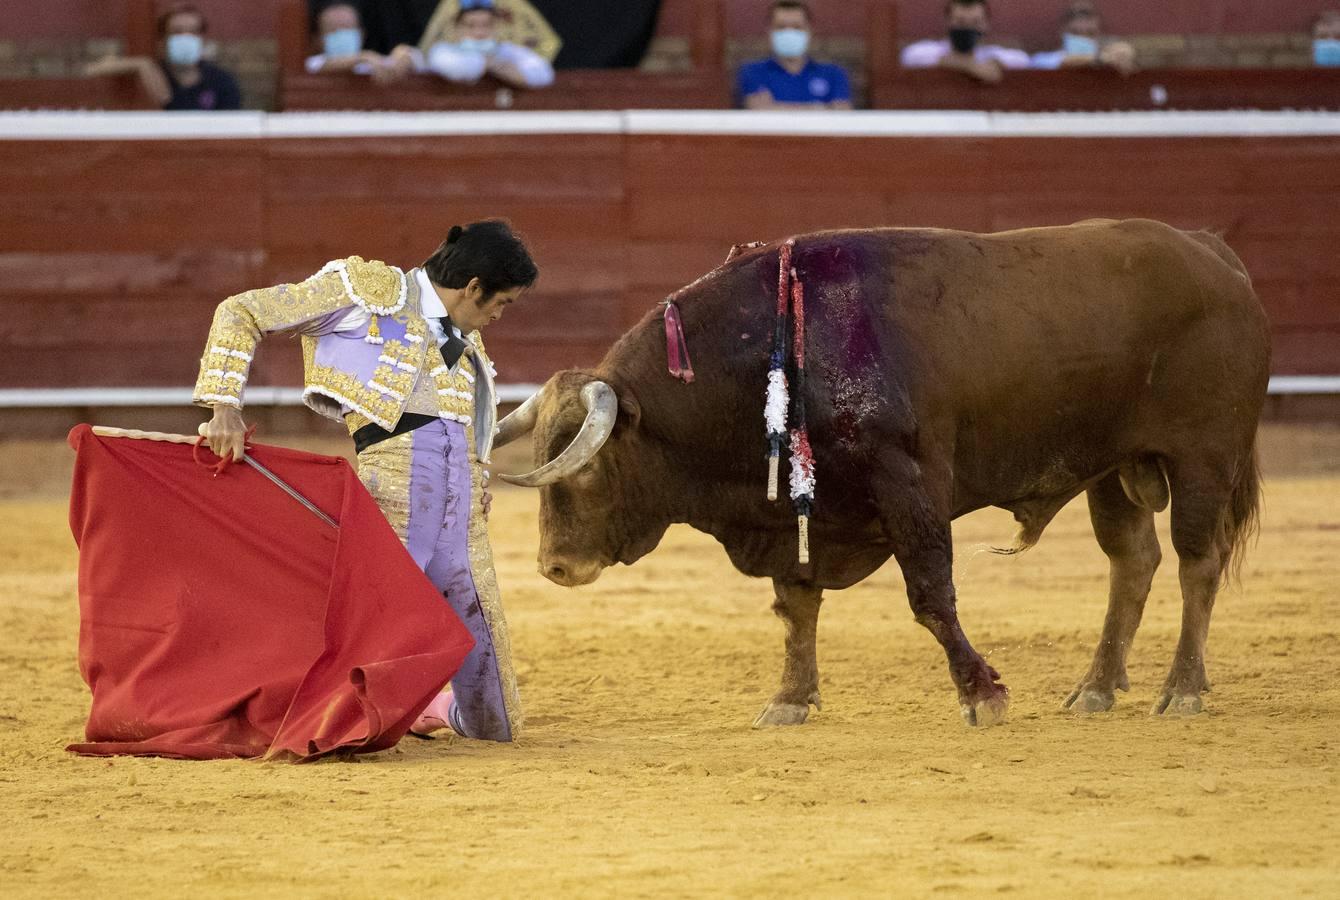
(180, 79)
(1082, 43)
(790, 79)
(475, 51)
(340, 30)
(967, 23)
(1326, 38)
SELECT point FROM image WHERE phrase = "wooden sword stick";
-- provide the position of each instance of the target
(137, 435)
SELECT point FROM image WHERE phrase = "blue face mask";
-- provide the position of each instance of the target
(185, 49)
(1326, 51)
(790, 43)
(478, 45)
(1078, 45)
(344, 42)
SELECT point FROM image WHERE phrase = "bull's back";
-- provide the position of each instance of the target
(1044, 354)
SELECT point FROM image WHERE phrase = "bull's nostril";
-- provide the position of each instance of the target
(557, 573)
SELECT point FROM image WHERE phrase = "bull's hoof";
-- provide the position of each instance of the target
(782, 714)
(1171, 704)
(989, 710)
(1090, 698)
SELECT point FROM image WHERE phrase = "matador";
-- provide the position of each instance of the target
(398, 357)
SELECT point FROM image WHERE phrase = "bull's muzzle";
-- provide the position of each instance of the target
(568, 572)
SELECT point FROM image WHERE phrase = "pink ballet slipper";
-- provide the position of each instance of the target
(435, 717)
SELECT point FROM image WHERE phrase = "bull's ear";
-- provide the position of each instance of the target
(630, 412)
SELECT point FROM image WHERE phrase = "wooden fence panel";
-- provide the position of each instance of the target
(114, 253)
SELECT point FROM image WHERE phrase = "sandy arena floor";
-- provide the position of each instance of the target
(639, 774)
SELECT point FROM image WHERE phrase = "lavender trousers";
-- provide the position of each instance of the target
(429, 468)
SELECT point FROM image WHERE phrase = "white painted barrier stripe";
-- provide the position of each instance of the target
(48, 398)
(391, 124)
(109, 126)
(131, 126)
(881, 123)
(1304, 384)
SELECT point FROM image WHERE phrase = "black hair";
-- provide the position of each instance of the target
(324, 5)
(1079, 10)
(487, 250)
(181, 9)
(466, 10)
(791, 4)
(953, 3)
(332, 4)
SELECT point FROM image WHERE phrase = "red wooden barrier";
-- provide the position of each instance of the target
(115, 252)
(108, 92)
(573, 89)
(1091, 90)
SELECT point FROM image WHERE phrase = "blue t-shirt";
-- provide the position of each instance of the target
(816, 83)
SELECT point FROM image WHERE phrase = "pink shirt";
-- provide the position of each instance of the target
(927, 54)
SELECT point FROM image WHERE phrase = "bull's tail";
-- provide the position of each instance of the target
(1241, 521)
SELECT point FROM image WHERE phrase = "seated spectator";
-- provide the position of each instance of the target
(517, 22)
(475, 51)
(967, 23)
(340, 31)
(790, 79)
(180, 79)
(1082, 43)
(1326, 38)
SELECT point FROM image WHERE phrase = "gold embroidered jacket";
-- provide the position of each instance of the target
(368, 374)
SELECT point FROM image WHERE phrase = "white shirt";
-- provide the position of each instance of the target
(454, 64)
(928, 54)
(317, 63)
(1052, 59)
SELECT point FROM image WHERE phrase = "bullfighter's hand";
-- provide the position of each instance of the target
(226, 433)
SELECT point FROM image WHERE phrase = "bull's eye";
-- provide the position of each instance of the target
(587, 476)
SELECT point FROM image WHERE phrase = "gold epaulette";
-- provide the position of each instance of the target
(372, 284)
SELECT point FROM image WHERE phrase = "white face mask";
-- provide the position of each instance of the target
(1079, 45)
(790, 43)
(185, 49)
(343, 42)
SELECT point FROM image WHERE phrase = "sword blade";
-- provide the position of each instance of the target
(284, 486)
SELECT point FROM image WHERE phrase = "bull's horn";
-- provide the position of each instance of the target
(602, 406)
(520, 421)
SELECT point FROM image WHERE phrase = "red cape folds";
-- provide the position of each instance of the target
(221, 619)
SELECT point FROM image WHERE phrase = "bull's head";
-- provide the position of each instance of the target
(586, 519)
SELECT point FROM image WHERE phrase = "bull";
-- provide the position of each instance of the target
(948, 371)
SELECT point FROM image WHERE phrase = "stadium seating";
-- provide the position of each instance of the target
(706, 86)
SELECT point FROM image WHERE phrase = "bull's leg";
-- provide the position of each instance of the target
(923, 546)
(1199, 505)
(1126, 533)
(798, 606)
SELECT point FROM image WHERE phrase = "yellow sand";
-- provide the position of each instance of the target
(639, 774)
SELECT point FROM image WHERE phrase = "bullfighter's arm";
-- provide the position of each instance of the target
(241, 321)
